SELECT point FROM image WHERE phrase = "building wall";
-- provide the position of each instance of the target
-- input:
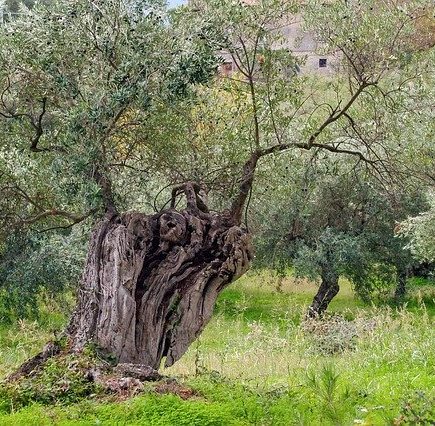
(304, 45)
(301, 44)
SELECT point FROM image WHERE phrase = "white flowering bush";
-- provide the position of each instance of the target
(421, 233)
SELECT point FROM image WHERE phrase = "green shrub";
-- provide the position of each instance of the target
(63, 379)
(32, 264)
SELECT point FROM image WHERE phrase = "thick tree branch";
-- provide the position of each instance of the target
(74, 218)
(39, 131)
(308, 146)
(245, 186)
(106, 190)
(195, 204)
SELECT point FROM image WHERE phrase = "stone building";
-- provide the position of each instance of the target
(302, 44)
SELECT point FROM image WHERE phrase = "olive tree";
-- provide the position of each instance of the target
(78, 78)
(370, 110)
(332, 219)
(90, 120)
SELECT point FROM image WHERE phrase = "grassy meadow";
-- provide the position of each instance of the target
(259, 363)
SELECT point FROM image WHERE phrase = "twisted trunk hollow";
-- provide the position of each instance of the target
(151, 281)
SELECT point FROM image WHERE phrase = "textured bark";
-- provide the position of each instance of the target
(327, 291)
(151, 282)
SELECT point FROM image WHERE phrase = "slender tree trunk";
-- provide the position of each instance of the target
(327, 291)
(400, 291)
(151, 281)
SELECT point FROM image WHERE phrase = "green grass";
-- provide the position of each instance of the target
(257, 364)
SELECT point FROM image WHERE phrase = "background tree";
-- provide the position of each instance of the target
(368, 107)
(33, 264)
(331, 219)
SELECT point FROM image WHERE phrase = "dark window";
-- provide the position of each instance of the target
(228, 66)
(322, 63)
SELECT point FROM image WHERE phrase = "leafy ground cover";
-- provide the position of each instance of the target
(259, 363)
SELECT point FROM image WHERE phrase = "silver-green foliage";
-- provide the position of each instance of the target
(420, 231)
(31, 264)
(331, 215)
(78, 82)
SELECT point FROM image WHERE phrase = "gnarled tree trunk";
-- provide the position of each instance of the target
(327, 291)
(151, 281)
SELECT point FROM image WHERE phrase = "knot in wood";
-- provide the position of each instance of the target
(172, 227)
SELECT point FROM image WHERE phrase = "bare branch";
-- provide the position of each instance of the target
(337, 114)
(194, 201)
(106, 190)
